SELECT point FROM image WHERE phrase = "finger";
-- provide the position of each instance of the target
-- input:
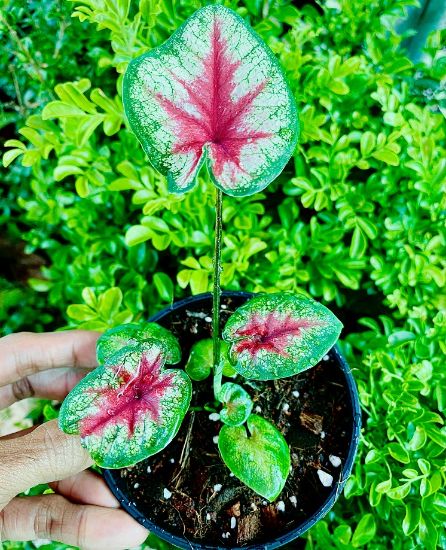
(54, 517)
(53, 384)
(26, 353)
(46, 454)
(15, 435)
(86, 488)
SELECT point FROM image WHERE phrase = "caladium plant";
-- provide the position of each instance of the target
(212, 95)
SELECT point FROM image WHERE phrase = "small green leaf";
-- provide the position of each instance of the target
(89, 297)
(372, 456)
(164, 286)
(137, 234)
(358, 245)
(393, 119)
(201, 358)
(418, 439)
(10, 156)
(40, 285)
(59, 109)
(49, 412)
(199, 281)
(82, 187)
(387, 156)
(424, 466)
(428, 533)
(367, 143)
(436, 435)
(401, 337)
(400, 492)
(398, 452)
(259, 458)
(109, 302)
(65, 170)
(199, 364)
(343, 534)
(79, 312)
(183, 277)
(364, 532)
(228, 369)
(384, 486)
(15, 143)
(411, 519)
(338, 86)
(238, 404)
(439, 502)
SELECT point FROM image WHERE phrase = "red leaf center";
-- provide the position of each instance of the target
(271, 333)
(217, 119)
(138, 394)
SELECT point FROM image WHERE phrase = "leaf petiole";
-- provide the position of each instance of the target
(217, 363)
(218, 375)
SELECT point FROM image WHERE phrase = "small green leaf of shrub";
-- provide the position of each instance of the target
(364, 532)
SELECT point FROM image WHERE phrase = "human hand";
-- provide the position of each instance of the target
(83, 512)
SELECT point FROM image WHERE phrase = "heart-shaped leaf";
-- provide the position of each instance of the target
(237, 404)
(260, 459)
(114, 339)
(128, 409)
(213, 92)
(201, 359)
(279, 335)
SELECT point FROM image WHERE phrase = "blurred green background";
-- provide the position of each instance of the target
(89, 236)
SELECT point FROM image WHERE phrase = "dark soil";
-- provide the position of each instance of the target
(316, 423)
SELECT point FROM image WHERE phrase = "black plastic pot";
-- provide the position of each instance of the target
(115, 482)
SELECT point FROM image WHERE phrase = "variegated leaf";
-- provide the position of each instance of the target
(213, 92)
(279, 335)
(114, 339)
(128, 409)
(260, 458)
(237, 404)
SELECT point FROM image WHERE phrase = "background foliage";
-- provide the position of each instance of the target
(90, 238)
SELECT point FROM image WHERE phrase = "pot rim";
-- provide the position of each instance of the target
(184, 543)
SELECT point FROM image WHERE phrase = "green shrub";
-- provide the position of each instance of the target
(357, 220)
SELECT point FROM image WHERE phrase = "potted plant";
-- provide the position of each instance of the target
(198, 452)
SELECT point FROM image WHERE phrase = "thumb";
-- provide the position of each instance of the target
(46, 454)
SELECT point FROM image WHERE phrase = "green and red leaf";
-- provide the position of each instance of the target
(279, 335)
(114, 339)
(128, 409)
(212, 93)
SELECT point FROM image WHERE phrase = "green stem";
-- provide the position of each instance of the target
(218, 375)
(217, 293)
